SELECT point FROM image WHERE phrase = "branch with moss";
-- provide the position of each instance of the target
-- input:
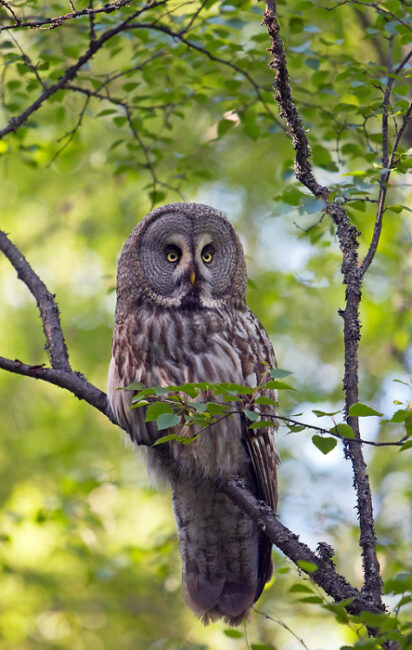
(348, 241)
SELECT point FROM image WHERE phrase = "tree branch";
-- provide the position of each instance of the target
(352, 278)
(179, 36)
(71, 72)
(325, 575)
(70, 380)
(383, 187)
(59, 20)
(288, 110)
(49, 311)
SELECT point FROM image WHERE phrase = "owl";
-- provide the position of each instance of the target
(181, 316)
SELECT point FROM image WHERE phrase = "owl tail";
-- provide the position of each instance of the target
(226, 559)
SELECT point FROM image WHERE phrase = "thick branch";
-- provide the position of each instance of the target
(303, 168)
(325, 576)
(49, 311)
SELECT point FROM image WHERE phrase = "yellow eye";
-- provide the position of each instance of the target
(207, 257)
(172, 256)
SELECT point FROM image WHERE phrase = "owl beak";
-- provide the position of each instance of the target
(192, 277)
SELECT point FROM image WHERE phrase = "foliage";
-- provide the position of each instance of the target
(179, 104)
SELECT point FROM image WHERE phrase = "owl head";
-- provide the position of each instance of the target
(182, 255)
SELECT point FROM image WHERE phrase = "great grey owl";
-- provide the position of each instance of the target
(181, 316)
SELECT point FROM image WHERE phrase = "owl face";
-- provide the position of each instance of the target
(188, 255)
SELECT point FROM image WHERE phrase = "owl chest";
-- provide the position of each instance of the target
(176, 346)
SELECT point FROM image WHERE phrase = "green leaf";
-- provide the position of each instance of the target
(156, 409)
(188, 389)
(262, 646)
(266, 401)
(136, 385)
(160, 391)
(309, 567)
(401, 415)
(199, 407)
(311, 599)
(279, 373)
(324, 444)
(356, 173)
(251, 415)
(399, 584)
(224, 126)
(216, 409)
(233, 634)
(163, 439)
(296, 428)
(363, 410)
(321, 414)
(279, 385)
(298, 588)
(167, 420)
(344, 430)
(262, 424)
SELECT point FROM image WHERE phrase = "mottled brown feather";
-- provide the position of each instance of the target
(170, 332)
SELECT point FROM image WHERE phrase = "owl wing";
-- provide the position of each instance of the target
(257, 357)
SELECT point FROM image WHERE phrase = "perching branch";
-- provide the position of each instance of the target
(70, 380)
(325, 575)
(347, 236)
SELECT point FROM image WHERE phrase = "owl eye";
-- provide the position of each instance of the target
(207, 256)
(172, 255)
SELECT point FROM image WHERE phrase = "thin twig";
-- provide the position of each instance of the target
(383, 186)
(403, 62)
(71, 72)
(68, 137)
(212, 57)
(28, 61)
(59, 20)
(335, 434)
(373, 5)
(282, 624)
(92, 33)
(10, 9)
(193, 18)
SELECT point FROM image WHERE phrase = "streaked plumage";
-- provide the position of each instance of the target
(185, 321)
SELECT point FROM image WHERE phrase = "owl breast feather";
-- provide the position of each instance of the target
(169, 347)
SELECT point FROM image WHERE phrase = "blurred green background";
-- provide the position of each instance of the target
(88, 548)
